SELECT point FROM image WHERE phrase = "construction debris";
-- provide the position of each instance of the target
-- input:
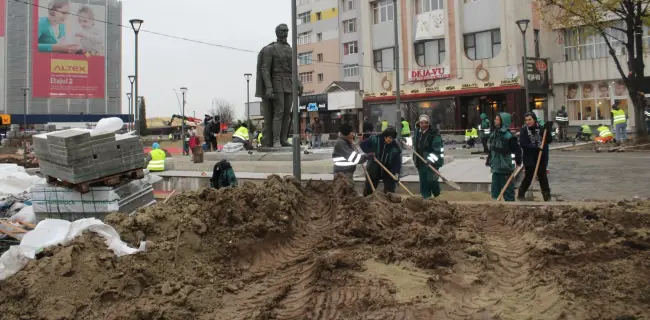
(283, 251)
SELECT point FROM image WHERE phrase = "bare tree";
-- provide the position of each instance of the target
(224, 109)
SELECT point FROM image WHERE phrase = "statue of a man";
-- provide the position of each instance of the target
(274, 85)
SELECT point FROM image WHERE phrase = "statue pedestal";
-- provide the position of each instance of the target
(274, 150)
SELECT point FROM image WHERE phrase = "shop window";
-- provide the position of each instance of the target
(430, 53)
(383, 60)
(483, 45)
(593, 100)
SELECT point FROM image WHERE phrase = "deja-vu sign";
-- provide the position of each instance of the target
(431, 73)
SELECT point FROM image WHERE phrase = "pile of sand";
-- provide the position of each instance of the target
(284, 251)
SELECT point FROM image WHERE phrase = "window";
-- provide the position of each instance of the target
(304, 38)
(350, 48)
(583, 43)
(302, 2)
(422, 6)
(536, 39)
(304, 18)
(320, 77)
(351, 70)
(483, 45)
(319, 37)
(306, 77)
(348, 5)
(318, 16)
(430, 52)
(382, 11)
(350, 26)
(593, 100)
(383, 59)
(319, 57)
(304, 58)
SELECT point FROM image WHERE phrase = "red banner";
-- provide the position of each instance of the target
(3, 16)
(69, 51)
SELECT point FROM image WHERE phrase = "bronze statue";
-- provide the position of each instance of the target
(274, 86)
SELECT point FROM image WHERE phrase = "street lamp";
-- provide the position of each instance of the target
(294, 81)
(128, 123)
(25, 91)
(397, 73)
(183, 91)
(523, 26)
(136, 24)
(131, 104)
(248, 100)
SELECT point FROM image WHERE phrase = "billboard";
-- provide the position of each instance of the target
(69, 50)
(538, 75)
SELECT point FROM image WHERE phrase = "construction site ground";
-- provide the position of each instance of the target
(282, 250)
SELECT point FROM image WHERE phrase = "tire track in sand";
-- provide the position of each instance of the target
(503, 286)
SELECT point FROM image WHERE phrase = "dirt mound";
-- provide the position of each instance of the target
(319, 251)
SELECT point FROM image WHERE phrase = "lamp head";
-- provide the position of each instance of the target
(132, 79)
(523, 24)
(135, 24)
(183, 90)
(247, 76)
(128, 95)
(24, 90)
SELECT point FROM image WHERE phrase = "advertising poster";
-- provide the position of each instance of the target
(69, 49)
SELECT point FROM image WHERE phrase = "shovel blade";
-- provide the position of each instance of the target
(453, 185)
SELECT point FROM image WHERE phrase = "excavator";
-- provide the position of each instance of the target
(191, 120)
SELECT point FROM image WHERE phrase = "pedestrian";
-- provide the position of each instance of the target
(367, 128)
(382, 148)
(345, 155)
(619, 123)
(428, 144)
(504, 158)
(223, 175)
(530, 140)
(562, 119)
(317, 132)
(210, 132)
(484, 129)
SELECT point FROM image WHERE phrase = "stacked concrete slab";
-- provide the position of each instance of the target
(77, 156)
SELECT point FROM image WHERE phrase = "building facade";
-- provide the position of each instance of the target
(81, 80)
(457, 59)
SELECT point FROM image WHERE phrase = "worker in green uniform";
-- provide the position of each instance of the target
(428, 144)
(504, 158)
(484, 129)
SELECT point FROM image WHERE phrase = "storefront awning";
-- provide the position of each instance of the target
(442, 94)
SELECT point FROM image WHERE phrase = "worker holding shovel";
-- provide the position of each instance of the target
(504, 158)
(428, 144)
(382, 152)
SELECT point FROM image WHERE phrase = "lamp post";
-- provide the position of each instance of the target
(183, 91)
(523, 26)
(294, 81)
(136, 24)
(25, 91)
(397, 73)
(248, 76)
(131, 103)
(128, 123)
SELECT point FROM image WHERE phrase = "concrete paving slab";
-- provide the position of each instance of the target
(467, 171)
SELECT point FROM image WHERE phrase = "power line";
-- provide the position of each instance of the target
(334, 64)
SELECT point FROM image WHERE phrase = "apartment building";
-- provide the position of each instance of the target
(457, 59)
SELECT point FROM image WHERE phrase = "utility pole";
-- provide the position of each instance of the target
(25, 91)
(397, 73)
(294, 77)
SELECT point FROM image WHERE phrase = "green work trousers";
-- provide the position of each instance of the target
(498, 182)
(429, 185)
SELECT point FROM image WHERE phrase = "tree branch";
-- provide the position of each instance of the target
(612, 53)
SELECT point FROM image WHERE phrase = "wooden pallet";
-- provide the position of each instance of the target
(84, 187)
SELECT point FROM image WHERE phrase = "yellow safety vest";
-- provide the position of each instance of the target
(604, 132)
(157, 162)
(406, 129)
(586, 129)
(241, 133)
(259, 138)
(619, 116)
(384, 125)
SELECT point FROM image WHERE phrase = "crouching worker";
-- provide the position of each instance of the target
(428, 144)
(156, 158)
(223, 175)
(345, 155)
(505, 156)
(241, 136)
(382, 148)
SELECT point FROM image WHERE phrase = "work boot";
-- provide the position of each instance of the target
(546, 195)
(521, 195)
(277, 144)
(285, 144)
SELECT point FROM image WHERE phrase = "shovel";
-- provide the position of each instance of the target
(394, 178)
(449, 183)
(372, 185)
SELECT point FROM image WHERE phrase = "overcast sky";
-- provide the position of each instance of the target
(207, 71)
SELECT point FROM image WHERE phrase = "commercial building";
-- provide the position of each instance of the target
(71, 78)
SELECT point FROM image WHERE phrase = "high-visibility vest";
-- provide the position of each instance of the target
(157, 162)
(241, 133)
(585, 129)
(474, 133)
(384, 125)
(406, 129)
(468, 134)
(647, 113)
(486, 131)
(604, 132)
(259, 138)
(619, 116)
(561, 119)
